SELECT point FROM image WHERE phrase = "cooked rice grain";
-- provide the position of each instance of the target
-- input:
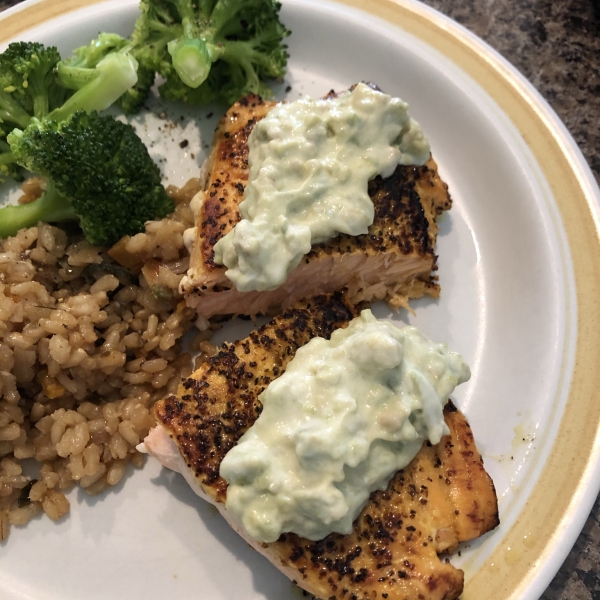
(89, 340)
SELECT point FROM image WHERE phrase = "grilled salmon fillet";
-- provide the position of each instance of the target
(395, 260)
(442, 498)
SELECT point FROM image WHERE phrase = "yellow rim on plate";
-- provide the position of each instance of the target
(572, 462)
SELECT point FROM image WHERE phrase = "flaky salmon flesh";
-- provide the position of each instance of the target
(442, 498)
(394, 261)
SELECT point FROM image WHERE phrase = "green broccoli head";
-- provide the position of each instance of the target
(8, 164)
(261, 56)
(99, 169)
(157, 25)
(207, 50)
(35, 85)
(131, 101)
(28, 84)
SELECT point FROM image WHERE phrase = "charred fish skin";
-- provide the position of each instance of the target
(394, 261)
(442, 498)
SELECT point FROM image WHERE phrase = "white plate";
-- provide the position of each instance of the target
(516, 269)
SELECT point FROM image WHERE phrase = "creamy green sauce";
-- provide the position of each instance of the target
(310, 163)
(343, 418)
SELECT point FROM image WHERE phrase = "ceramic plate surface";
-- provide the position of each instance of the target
(519, 268)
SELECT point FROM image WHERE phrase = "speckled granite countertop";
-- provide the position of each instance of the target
(556, 45)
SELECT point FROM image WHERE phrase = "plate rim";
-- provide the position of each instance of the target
(577, 198)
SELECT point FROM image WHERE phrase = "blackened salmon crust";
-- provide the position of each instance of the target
(217, 406)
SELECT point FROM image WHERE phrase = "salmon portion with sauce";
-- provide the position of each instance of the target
(443, 497)
(394, 261)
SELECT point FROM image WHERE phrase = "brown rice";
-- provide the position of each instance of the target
(89, 339)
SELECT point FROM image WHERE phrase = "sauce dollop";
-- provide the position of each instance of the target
(344, 417)
(310, 164)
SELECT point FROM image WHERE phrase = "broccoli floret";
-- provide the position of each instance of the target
(85, 60)
(97, 171)
(8, 164)
(135, 96)
(28, 85)
(208, 50)
(28, 89)
(35, 86)
(205, 50)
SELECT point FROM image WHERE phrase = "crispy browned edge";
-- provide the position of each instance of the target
(227, 170)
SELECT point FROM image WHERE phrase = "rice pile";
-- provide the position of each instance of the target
(90, 338)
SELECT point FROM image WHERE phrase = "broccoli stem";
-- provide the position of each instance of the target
(50, 207)
(168, 31)
(194, 52)
(8, 163)
(243, 54)
(12, 112)
(105, 43)
(96, 88)
(40, 104)
(187, 13)
(75, 77)
(191, 60)
(6, 158)
(40, 86)
(206, 6)
(225, 12)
